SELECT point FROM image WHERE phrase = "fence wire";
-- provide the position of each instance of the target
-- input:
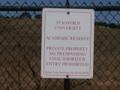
(20, 50)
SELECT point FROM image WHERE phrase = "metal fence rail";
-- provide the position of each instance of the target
(20, 48)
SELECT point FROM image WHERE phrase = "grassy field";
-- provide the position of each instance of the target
(20, 53)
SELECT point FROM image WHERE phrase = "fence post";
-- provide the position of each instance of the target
(67, 80)
(67, 84)
(67, 4)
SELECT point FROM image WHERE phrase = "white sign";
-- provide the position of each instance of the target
(67, 43)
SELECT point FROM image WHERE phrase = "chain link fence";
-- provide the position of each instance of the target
(20, 48)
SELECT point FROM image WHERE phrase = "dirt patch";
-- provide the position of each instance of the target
(20, 58)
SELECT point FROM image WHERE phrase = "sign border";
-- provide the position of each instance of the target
(91, 37)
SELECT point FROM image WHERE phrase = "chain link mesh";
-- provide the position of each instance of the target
(20, 51)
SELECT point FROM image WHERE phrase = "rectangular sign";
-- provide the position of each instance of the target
(67, 43)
